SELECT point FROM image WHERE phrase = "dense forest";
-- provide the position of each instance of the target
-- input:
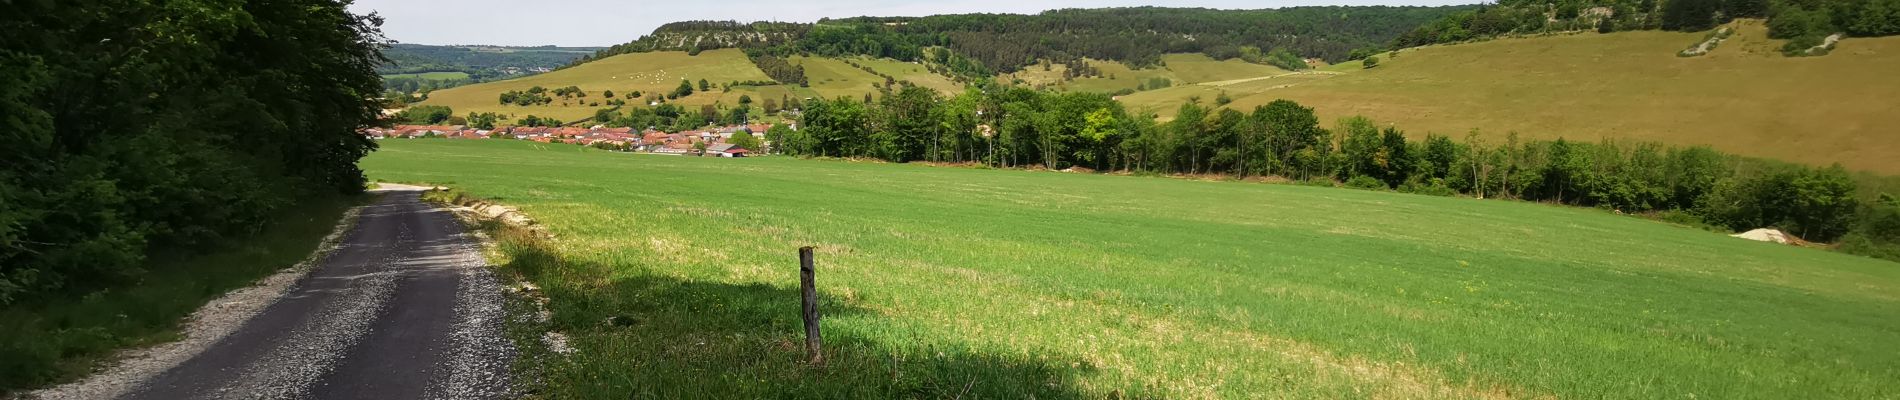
(137, 124)
(1017, 127)
(1804, 22)
(990, 43)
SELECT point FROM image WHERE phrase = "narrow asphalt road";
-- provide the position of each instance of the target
(402, 309)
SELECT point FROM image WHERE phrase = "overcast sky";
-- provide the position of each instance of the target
(608, 22)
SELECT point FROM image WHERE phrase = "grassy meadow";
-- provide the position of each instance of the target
(1743, 98)
(677, 277)
(656, 72)
(833, 77)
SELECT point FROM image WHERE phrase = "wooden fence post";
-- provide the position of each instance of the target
(807, 285)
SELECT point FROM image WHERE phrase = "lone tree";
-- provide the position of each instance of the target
(685, 89)
(1371, 61)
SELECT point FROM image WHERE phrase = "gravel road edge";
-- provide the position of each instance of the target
(204, 327)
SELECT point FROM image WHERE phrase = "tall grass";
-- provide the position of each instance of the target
(676, 276)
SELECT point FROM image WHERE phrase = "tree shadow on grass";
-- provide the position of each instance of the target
(654, 336)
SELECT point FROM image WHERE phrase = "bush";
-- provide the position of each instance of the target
(1370, 61)
(1876, 232)
(1366, 182)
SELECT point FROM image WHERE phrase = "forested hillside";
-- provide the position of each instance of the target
(1805, 23)
(981, 44)
(134, 124)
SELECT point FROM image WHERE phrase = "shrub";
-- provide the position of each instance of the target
(1877, 231)
(1366, 182)
(1370, 61)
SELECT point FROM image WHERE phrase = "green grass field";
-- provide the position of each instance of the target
(676, 277)
(1744, 97)
(647, 72)
(437, 76)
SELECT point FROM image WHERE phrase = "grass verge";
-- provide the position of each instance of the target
(51, 341)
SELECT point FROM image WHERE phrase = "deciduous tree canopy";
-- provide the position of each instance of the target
(133, 124)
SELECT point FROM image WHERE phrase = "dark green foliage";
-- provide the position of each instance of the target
(1745, 8)
(1366, 182)
(1286, 60)
(1871, 17)
(1370, 62)
(685, 89)
(1877, 231)
(136, 124)
(1815, 204)
(1794, 22)
(532, 120)
(1490, 21)
(534, 96)
(425, 115)
(483, 120)
(1690, 15)
(781, 70)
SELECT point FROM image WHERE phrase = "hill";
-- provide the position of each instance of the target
(415, 68)
(649, 73)
(1745, 97)
(1138, 36)
(1113, 76)
(1003, 284)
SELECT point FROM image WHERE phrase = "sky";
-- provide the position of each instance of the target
(609, 22)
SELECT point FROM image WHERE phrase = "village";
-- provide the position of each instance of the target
(713, 142)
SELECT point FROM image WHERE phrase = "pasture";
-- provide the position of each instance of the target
(676, 277)
(1743, 98)
(1180, 69)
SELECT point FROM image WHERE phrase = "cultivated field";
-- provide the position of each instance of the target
(1744, 97)
(676, 277)
(657, 72)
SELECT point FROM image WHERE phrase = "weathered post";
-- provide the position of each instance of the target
(809, 287)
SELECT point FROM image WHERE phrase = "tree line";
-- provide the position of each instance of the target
(1015, 127)
(1803, 22)
(135, 124)
(1008, 42)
